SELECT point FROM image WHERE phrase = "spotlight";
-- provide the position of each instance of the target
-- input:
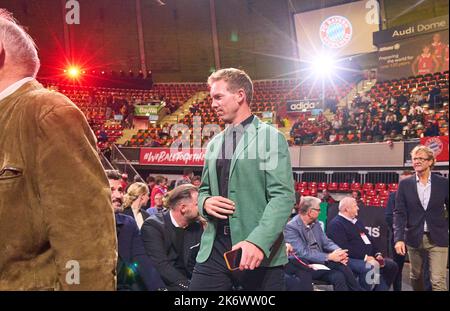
(73, 72)
(323, 65)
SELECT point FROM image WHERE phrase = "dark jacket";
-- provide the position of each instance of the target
(389, 210)
(129, 212)
(132, 255)
(348, 236)
(409, 215)
(159, 236)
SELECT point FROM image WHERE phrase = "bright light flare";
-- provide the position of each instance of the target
(73, 72)
(323, 65)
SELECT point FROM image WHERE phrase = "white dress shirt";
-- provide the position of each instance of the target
(14, 87)
(424, 192)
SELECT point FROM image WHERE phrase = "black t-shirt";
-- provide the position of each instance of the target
(232, 136)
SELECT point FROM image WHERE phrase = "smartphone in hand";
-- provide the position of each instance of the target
(233, 259)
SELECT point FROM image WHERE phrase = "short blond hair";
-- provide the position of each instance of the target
(236, 79)
(19, 45)
(427, 150)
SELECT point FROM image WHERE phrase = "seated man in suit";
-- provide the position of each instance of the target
(312, 246)
(365, 261)
(172, 238)
(132, 257)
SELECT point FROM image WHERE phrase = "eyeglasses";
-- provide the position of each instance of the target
(420, 159)
(316, 209)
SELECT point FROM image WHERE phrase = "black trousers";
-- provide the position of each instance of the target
(339, 275)
(298, 277)
(213, 274)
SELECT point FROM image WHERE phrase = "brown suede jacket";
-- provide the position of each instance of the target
(56, 217)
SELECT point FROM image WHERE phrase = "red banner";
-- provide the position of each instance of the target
(439, 145)
(169, 156)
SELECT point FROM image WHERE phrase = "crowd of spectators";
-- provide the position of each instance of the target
(403, 116)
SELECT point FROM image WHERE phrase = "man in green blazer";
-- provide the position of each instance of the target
(246, 195)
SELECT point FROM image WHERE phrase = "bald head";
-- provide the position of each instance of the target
(18, 53)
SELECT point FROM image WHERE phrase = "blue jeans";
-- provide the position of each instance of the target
(365, 274)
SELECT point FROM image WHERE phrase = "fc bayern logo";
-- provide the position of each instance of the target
(435, 144)
(336, 32)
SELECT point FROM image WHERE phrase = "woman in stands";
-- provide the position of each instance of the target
(136, 198)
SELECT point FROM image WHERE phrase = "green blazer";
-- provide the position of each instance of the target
(261, 185)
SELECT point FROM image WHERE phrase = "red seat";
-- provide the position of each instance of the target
(343, 186)
(313, 192)
(322, 186)
(371, 193)
(356, 186)
(312, 185)
(384, 193)
(367, 186)
(393, 187)
(304, 192)
(375, 201)
(333, 186)
(380, 186)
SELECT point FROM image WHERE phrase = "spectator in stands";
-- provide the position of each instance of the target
(160, 187)
(51, 182)
(421, 220)
(356, 194)
(188, 173)
(349, 233)
(333, 138)
(102, 135)
(150, 182)
(248, 200)
(326, 197)
(431, 129)
(132, 257)
(393, 136)
(312, 246)
(172, 238)
(135, 199)
(159, 205)
(320, 139)
(196, 181)
(434, 97)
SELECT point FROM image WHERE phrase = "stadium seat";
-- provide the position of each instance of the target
(344, 187)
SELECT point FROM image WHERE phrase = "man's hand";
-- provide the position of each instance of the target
(289, 249)
(380, 260)
(371, 260)
(400, 248)
(219, 207)
(252, 255)
(338, 255)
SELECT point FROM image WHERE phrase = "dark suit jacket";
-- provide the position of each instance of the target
(389, 210)
(158, 234)
(348, 236)
(409, 215)
(129, 212)
(131, 250)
